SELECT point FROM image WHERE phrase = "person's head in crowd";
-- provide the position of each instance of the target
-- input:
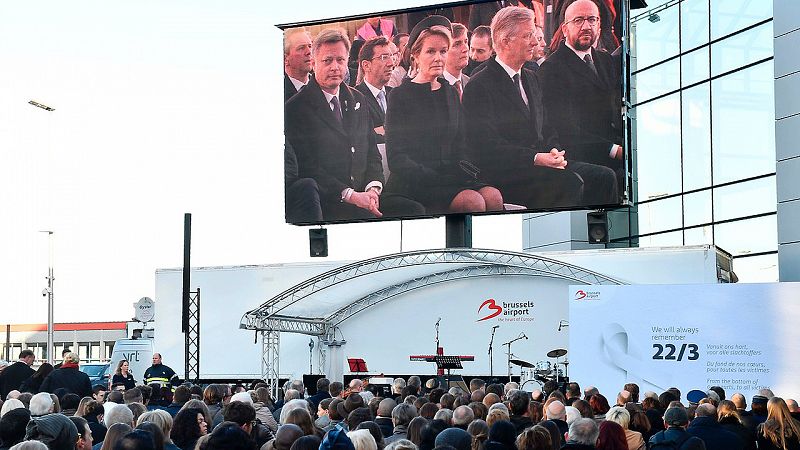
(549, 387)
(766, 392)
(535, 411)
(212, 395)
(558, 395)
(518, 401)
(611, 436)
(41, 404)
(114, 396)
(362, 440)
(457, 438)
(133, 395)
(297, 61)
(512, 36)
(298, 386)
(356, 385)
(435, 395)
(445, 415)
(385, 407)
(556, 436)
(375, 431)
(651, 403)
(676, 416)
(500, 406)
(480, 44)
(25, 398)
(676, 392)
(556, 411)
(534, 438)
(477, 395)
(572, 414)
(706, 410)
(196, 392)
(619, 415)
(159, 418)
(262, 396)
(137, 409)
(12, 426)
(432, 383)
(726, 411)
(633, 389)
(541, 45)
(54, 430)
(297, 404)
(336, 388)
(303, 443)
(508, 387)
(402, 444)
(85, 440)
(792, 405)
(429, 410)
(477, 384)
(537, 395)
(181, 395)
(429, 433)
(413, 381)
(398, 384)
(479, 430)
(324, 407)
(585, 432)
(159, 440)
(414, 429)
(759, 405)
(497, 415)
(479, 410)
(446, 401)
(9, 405)
(302, 419)
(623, 397)
(333, 410)
(146, 392)
(490, 399)
(666, 398)
(188, 426)
(573, 391)
(199, 404)
(56, 398)
(286, 435)
(580, 34)
(402, 414)
(43, 371)
(458, 54)
(599, 404)
(93, 411)
(243, 397)
(462, 417)
(739, 400)
(99, 393)
(419, 401)
(780, 428)
(136, 440)
(118, 414)
(589, 391)
(29, 445)
(357, 416)
(336, 439)
(503, 432)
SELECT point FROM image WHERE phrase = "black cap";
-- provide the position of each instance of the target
(425, 24)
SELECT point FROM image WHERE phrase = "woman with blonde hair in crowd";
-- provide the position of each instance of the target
(496, 415)
(163, 421)
(780, 431)
(362, 440)
(729, 419)
(479, 430)
(622, 417)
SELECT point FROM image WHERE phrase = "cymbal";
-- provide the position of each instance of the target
(557, 353)
(521, 363)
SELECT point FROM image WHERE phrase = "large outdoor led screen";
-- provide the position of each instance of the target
(473, 108)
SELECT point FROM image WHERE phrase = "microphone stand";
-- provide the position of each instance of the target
(491, 362)
(522, 336)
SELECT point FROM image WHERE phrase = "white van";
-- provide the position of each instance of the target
(138, 353)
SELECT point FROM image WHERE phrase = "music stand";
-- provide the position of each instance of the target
(357, 365)
(447, 362)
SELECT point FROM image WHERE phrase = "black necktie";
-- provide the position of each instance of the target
(588, 60)
(518, 87)
(337, 109)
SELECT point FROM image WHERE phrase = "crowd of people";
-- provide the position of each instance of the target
(450, 119)
(406, 416)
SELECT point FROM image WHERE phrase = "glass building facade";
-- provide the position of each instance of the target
(703, 136)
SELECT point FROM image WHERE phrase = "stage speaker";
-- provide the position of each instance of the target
(318, 242)
(597, 227)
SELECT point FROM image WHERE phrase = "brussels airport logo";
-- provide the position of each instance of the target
(580, 294)
(510, 311)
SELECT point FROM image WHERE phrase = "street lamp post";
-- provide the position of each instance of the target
(48, 292)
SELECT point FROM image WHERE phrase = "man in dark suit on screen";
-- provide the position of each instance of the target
(376, 64)
(582, 91)
(513, 144)
(296, 61)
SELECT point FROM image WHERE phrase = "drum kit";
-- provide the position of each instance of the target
(544, 370)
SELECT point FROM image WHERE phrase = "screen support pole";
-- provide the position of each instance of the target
(458, 231)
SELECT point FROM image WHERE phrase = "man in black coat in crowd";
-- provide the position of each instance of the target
(12, 376)
(715, 437)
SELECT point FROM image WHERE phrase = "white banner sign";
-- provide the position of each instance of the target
(739, 336)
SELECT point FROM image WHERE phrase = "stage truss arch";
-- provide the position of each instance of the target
(317, 306)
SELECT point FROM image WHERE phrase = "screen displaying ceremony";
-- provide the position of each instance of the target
(481, 108)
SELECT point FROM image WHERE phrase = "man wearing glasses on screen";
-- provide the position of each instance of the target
(582, 91)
